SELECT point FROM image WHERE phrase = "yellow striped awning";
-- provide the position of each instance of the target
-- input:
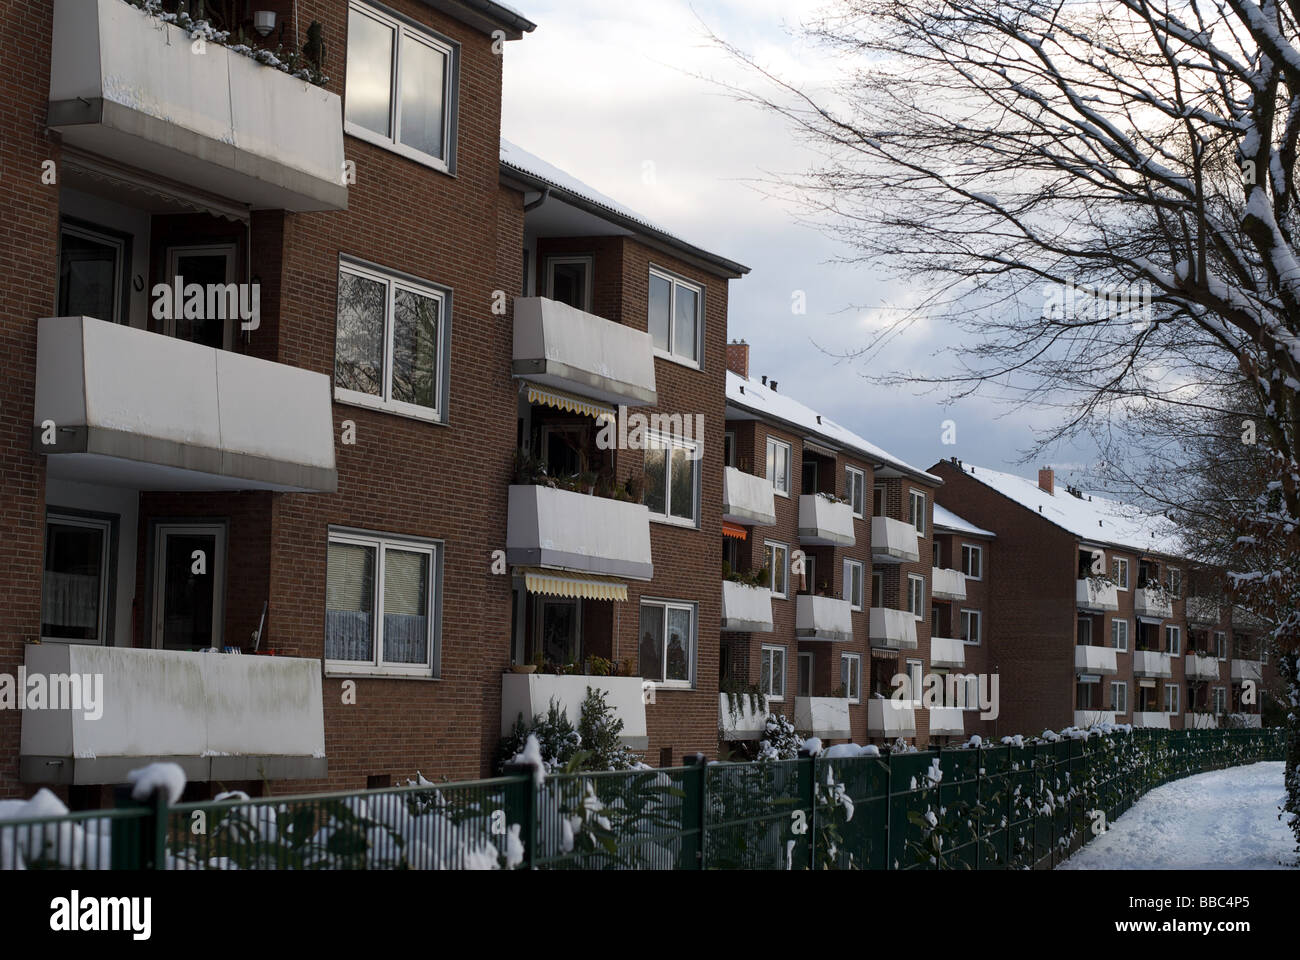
(558, 583)
(567, 402)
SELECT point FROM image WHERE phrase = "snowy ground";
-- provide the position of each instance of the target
(1224, 820)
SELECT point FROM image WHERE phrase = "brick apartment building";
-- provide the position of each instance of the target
(1093, 616)
(390, 474)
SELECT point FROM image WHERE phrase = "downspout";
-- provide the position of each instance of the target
(546, 195)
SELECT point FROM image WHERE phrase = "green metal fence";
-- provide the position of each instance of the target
(995, 807)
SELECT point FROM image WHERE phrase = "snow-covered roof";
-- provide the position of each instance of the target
(1093, 518)
(518, 159)
(947, 520)
(758, 398)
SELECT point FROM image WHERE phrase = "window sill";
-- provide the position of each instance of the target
(345, 671)
(392, 146)
(675, 522)
(673, 358)
(671, 685)
(348, 398)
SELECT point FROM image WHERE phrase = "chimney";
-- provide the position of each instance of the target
(773, 386)
(1047, 480)
(738, 358)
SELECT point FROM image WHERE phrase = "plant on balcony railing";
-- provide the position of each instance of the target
(761, 577)
(532, 471)
(833, 498)
(1158, 591)
(738, 693)
(1100, 581)
(593, 745)
(307, 64)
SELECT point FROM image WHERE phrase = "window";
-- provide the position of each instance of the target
(400, 89)
(1174, 582)
(851, 676)
(1119, 696)
(1119, 635)
(1174, 640)
(853, 583)
(729, 448)
(381, 612)
(936, 552)
(916, 595)
(778, 466)
(568, 280)
(672, 475)
(970, 626)
(809, 482)
(1119, 571)
(75, 586)
(855, 487)
(918, 511)
(914, 679)
(390, 348)
(558, 631)
(776, 557)
(92, 269)
(668, 642)
(1084, 637)
(771, 679)
(877, 501)
(877, 589)
(972, 561)
(1220, 645)
(804, 666)
(1171, 698)
(1220, 700)
(675, 317)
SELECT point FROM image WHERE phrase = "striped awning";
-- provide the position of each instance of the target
(558, 583)
(734, 530)
(549, 397)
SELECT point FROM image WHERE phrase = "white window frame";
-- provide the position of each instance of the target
(378, 667)
(665, 605)
(968, 551)
(1115, 632)
(1219, 700)
(918, 516)
(119, 246)
(915, 669)
(1173, 633)
(450, 95)
(784, 550)
(228, 252)
(1174, 579)
(678, 281)
(729, 448)
(802, 658)
(587, 261)
(1171, 688)
(105, 526)
(1220, 638)
(1118, 564)
(773, 444)
(966, 614)
(695, 458)
(216, 570)
(855, 676)
(1122, 686)
(855, 483)
(877, 589)
(853, 574)
(912, 598)
(393, 282)
(881, 491)
(767, 653)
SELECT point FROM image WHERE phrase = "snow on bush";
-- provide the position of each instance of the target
(167, 777)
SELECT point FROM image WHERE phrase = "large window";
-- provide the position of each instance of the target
(776, 557)
(855, 488)
(668, 641)
(1174, 640)
(1119, 571)
(75, 586)
(400, 90)
(771, 677)
(972, 561)
(1119, 696)
(1171, 698)
(916, 595)
(92, 271)
(917, 501)
(568, 280)
(778, 466)
(1220, 700)
(381, 612)
(853, 583)
(672, 472)
(676, 317)
(391, 343)
(970, 626)
(1119, 635)
(851, 676)
(1220, 645)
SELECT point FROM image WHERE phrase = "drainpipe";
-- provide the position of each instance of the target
(546, 195)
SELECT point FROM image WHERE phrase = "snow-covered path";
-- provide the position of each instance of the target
(1223, 820)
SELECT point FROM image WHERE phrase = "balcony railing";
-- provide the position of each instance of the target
(531, 694)
(1088, 718)
(824, 522)
(560, 346)
(1095, 660)
(1152, 663)
(825, 717)
(1152, 603)
(129, 87)
(1201, 668)
(747, 499)
(947, 584)
(947, 722)
(562, 529)
(143, 410)
(1202, 611)
(1202, 721)
(1150, 718)
(1097, 596)
(749, 721)
(746, 609)
(1245, 670)
(823, 618)
(220, 717)
(947, 652)
(891, 718)
(892, 629)
(893, 541)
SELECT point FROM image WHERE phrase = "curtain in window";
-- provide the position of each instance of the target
(350, 602)
(652, 643)
(406, 601)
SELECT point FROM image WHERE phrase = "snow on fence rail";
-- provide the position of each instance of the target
(1011, 806)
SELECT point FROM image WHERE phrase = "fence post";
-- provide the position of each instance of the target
(807, 798)
(521, 808)
(889, 809)
(139, 843)
(694, 811)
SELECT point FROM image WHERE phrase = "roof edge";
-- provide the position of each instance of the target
(485, 15)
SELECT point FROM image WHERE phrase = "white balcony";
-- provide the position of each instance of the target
(126, 86)
(893, 541)
(1245, 670)
(1152, 603)
(1201, 668)
(826, 717)
(824, 522)
(573, 531)
(1089, 718)
(1152, 663)
(947, 584)
(220, 716)
(747, 499)
(1095, 596)
(1248, 619)
(1095, 660)
(746, 609)
(748, 722)
(891, 718)
(823, 618)
(1202, 611)
(530, 694)
(892, 629)
(563, 347)
(1202, 721)
(136, 409)
(949, 652)
(947, 722)
(1151, 719)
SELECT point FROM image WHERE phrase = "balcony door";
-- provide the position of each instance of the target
(205, 265)
(559, 630)
(189, 585)
(92, 265)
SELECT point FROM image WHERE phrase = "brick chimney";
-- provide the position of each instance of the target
(738, 358)
(1047, 480)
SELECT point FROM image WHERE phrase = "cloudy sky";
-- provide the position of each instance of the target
(614, 94)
